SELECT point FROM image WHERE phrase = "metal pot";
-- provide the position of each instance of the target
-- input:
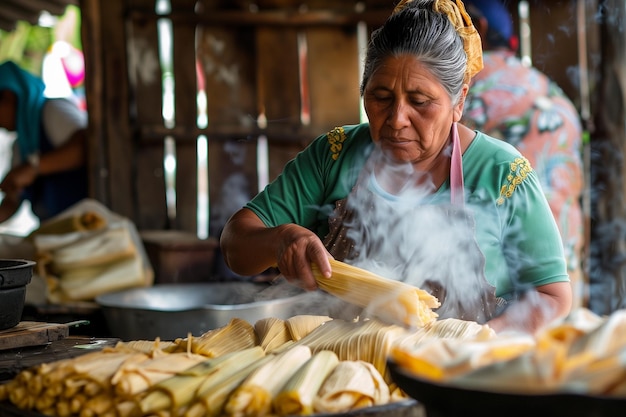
(15, 274)
(170, 311)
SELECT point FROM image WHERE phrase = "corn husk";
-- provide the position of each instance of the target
(96, 249)
(237, 335)
(296, 397)
(272, 333)
(82, 284)
(389, 300)
(351, 385)
(179, 390)
(212, 395)
(148, 346)
(369, 340)
(81, 222)
(255, 394)
(301, 325)
(132, 379)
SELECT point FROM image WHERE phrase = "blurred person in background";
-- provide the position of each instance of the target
(49, 154)
(524, 107)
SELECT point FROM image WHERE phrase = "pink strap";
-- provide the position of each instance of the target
(456, 170)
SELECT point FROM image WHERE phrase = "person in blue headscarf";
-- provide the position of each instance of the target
(49, 161)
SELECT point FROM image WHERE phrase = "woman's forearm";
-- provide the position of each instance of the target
(249, 248)
(536, 309)
(247, 245)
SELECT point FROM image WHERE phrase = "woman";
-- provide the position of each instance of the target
(50, 156)
(464, 211)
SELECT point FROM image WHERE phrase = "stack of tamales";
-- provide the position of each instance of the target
(88, 251)
(322, 366)
(389, 300)
(582, 353)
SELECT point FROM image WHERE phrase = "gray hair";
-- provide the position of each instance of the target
(429, 36)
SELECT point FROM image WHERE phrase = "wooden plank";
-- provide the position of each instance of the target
(32, 333)
(145, 77)
(278, 89)
(92, 45)
(280, 153)
(118, 137)
(227, 63)
(547, 38)
(333, 61)
(185, 103)
(233, 178)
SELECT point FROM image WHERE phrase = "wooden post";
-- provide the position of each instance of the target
(607, 258)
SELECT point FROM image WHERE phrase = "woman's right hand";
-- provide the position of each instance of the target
(249, 248)
(298, 248)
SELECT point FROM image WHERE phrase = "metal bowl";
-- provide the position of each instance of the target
(15, 274)
(170, 311)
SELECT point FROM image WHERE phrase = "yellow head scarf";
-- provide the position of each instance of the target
(455, 10)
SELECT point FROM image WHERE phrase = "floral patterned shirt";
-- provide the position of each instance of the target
(523, 107)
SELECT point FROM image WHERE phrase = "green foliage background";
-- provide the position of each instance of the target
(27, 44)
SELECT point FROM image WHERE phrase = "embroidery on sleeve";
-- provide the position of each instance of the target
(520, 168)
(336, 137)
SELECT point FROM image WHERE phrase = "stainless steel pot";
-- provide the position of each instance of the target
(170, 311)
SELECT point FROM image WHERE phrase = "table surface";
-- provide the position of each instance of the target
(12, 361)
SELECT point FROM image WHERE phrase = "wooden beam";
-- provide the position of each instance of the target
(268, 18)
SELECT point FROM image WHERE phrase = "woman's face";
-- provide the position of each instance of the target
(409, 111)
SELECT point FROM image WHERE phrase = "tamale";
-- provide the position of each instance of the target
(212, 394)
(130, 380)
(96, 249)
(351, 385)
(238, 334)
(255, 394)
(392, 301)
(87, 221)
(179, 390)
(124, 273)
(303, 324)
(369, 340)
(272, 332)
(296, 397)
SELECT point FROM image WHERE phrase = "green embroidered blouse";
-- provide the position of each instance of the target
(515, 229)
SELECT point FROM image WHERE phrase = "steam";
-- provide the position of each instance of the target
(409, 234)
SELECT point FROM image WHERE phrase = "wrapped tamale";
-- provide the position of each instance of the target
(296, 397)
(255, 394)
(351, 385)
(132, 379)
(238, 334)
(370, 340)
(178, 391)
(303, 324)
(272, 333)
(78, 222)
(442, 359)
(392, 301)
(212, 394)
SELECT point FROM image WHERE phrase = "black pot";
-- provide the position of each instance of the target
(15, 274)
